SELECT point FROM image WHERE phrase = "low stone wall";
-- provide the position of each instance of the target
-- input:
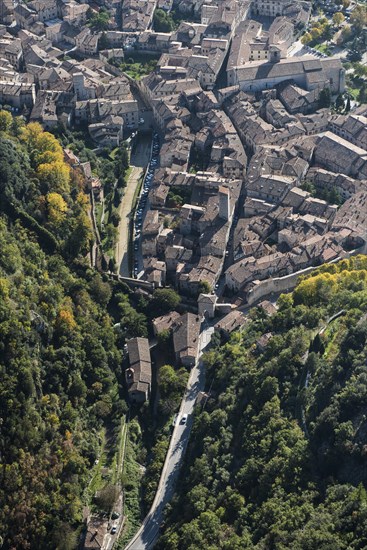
(276, 285)
(287, 283)
(133, 283)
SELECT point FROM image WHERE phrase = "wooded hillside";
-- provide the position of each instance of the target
(59, 361)
(277, 459)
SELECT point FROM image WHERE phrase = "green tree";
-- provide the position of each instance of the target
(162, 22)
(17, 126)
(133, 324)
(316, 32)
(172, 383)
(338, 18)
(164, 338)
(65, 538)
(325, 98)
(100, 290)
(163, 301)
(107, 497)
(115, 218)
(362, 95)
(5, 121)
(306, 38)
(103, 43)
(204, 287)
(345, 34)
(59, 344)
(98, 21)
(339, 102)
(358, 17)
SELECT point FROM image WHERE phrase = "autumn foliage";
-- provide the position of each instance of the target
(41, 188)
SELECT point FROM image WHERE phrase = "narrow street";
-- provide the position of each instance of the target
(138, 162)
(147, 534)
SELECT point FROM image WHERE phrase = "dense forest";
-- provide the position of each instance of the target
(278, 457)
(40, 189)
(59, 360)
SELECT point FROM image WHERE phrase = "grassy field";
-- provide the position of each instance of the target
(333, 336)
(354, 92)
(323, 48)
(96, 482)
(137, 65)
(131, 481)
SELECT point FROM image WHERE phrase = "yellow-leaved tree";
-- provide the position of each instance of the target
(338, 18)
(43, 147)
(5, 120)
(47, 159)
(316, 288)
(30, 134)
(65, 322)
(49, 156)
(56, 208)
(54, 176)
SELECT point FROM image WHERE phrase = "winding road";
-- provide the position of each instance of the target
(147, 534)
(138, 161)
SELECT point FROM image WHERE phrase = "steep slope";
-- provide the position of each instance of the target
(277, 459)
(59, 361)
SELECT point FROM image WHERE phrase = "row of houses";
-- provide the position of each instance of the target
(185, 331)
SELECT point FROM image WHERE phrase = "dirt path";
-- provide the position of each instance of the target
(138, 161)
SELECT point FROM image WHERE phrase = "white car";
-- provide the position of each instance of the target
(184, 419)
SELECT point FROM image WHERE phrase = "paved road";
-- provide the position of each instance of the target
(138, 161)
(148, 533)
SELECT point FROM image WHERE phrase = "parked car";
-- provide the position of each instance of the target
(184, 419)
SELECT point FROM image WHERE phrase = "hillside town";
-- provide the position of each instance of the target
(257, 169)
(256, 179)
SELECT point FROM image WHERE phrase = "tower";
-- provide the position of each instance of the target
(79, 88)
(224, 208)
(275, 54)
